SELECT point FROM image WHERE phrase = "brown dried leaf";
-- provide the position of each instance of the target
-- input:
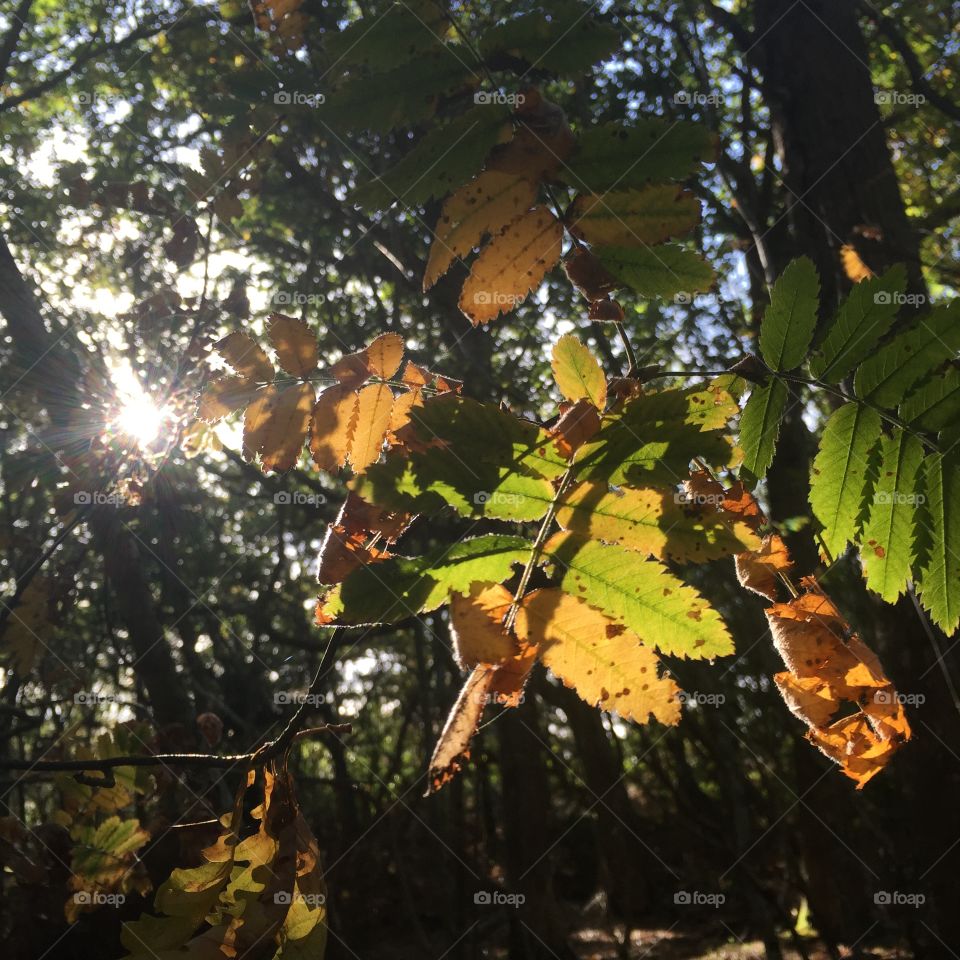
(476, 625)
(758, 571)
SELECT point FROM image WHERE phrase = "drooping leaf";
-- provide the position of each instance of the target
(296, 346)
(442, 161)
(641, 594)
(663, 271)
(887, 542)
(480, 208)
(760, 425)
(618, 157)
(886, 377)
(402, 587)
(577, 372)
(791, 317)
(653, 522)
(626, 218)
(511, 265)
(939, 580)
(840, 478)
(863, 318)
(605, 663)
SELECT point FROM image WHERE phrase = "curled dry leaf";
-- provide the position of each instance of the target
(476, 623)
(511, 265)
(830, 666)
(585, 271)
(296, 346)
(577, 424)
(760, 570)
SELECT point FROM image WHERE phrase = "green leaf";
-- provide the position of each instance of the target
(840, 478)
(654, 438)
(561, 38)
(577, 372)
(399, 97)
(887, 376)
(642, 594)
(939, 580)
(634, 217)
(619, 156)
(760, 426)
(664, 271)
(427, 481)
(655, 522)
(482, 461)
(402, 587)
(934, 405)
(383, 42)
(862, 320)
(887, 541)
(446, 158)
(791, 318)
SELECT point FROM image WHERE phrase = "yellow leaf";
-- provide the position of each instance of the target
(577, 372)
(296, 346)
(853, 266)
(511, 265)
(384, 355)
(476, 624)
(626, 218)
(650, 521)
(331, 430)
(246, 357)
(374, 404)
(477, 209)
(603, 661)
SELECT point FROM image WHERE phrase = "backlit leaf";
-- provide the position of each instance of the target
(939, 580)
(760, 425)
(663, 271)
(840, 480)
(577, 372)
(791, 317)
(607, 664)
(640, 593)
(511, 265)
(246, 357)
(625, 218)
(296, 346)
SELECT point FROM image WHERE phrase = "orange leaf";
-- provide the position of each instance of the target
(374, 404)
(246, 357)
(758, 570)
(331, 430)
(275, 426)
(476, 623)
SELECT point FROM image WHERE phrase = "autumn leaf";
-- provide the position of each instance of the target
(296, 346)
(332, 427)
(626, 218)
(476, 625)
(759, 570)
(478, 209)
(374, 406)
(275, 426)
(607, 664)
(577, 372)
(223, 395)
(246, 357)
(511, 265)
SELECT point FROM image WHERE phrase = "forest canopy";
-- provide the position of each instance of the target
(479, 479)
